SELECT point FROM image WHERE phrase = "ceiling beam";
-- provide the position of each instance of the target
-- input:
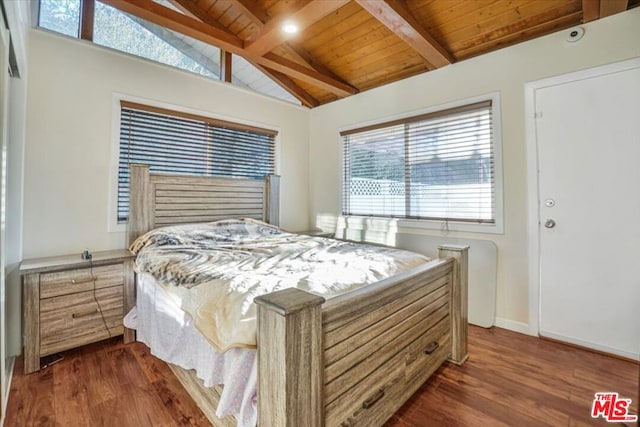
(610, 7)
(178, 5)
(300, 53)
(257, 15)
(176, 21)
(193, 10)
(309, 75)
(590, 10)
(290, 86)
(271, 35)
(250, 11)
(395, 15)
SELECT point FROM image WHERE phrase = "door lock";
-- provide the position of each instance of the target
(549, 223)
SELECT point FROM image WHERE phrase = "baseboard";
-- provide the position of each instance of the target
(602, 349)
(12, 362)
(512, 325)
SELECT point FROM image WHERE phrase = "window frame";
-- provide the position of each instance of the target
(413, 225)
(113, 225)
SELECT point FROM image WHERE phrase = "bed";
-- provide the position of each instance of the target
(353, 359)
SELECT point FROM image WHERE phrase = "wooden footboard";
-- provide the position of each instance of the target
(357, 358)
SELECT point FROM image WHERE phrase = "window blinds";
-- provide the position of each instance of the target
(437, 166)
(175, 142)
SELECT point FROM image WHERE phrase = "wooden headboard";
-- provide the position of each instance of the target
(157, 200)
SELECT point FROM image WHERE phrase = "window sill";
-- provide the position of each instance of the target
(468, 227)
(387, 224)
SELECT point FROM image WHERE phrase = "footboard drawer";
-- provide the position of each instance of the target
(376, 406)
(426, 354)
(371, 372)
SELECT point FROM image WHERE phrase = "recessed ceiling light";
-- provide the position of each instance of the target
(290, 27)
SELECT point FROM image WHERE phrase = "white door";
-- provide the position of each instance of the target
(588, 141)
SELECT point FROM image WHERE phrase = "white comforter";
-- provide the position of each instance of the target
(214, 271)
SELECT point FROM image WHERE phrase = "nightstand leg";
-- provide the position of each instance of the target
(31, 294)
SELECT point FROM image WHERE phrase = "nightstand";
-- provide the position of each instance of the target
(69, 302)
(316, 233)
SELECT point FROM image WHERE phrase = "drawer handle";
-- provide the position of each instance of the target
(373, 399)
(431, 347)
(84, 313)
(78, 282)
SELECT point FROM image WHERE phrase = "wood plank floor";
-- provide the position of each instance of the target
(509, 380)
(512, 379)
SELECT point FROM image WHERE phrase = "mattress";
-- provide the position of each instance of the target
(171, 335)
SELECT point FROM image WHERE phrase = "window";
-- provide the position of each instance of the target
(122, 32)
(435, 166)
(117, 30)
(60, 16)
(176, 142)
(108, 26)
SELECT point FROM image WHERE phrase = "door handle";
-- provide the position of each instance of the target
(549, 223)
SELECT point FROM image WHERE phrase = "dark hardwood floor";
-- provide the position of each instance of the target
(509, 380)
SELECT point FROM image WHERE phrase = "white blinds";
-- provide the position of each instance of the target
(174, 142)
(435, 166)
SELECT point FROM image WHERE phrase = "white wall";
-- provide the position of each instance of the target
(507, 70)
(69, 136)
(18, 16)
(15, 169)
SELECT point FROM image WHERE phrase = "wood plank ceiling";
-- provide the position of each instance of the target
(344, 47)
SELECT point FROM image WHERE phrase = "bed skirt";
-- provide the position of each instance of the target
(172, 337)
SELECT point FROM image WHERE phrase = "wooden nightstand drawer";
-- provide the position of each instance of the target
(79, 280)
(68, 321)
(69, 301)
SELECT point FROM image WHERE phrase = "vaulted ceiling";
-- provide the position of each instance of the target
(343, 47)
